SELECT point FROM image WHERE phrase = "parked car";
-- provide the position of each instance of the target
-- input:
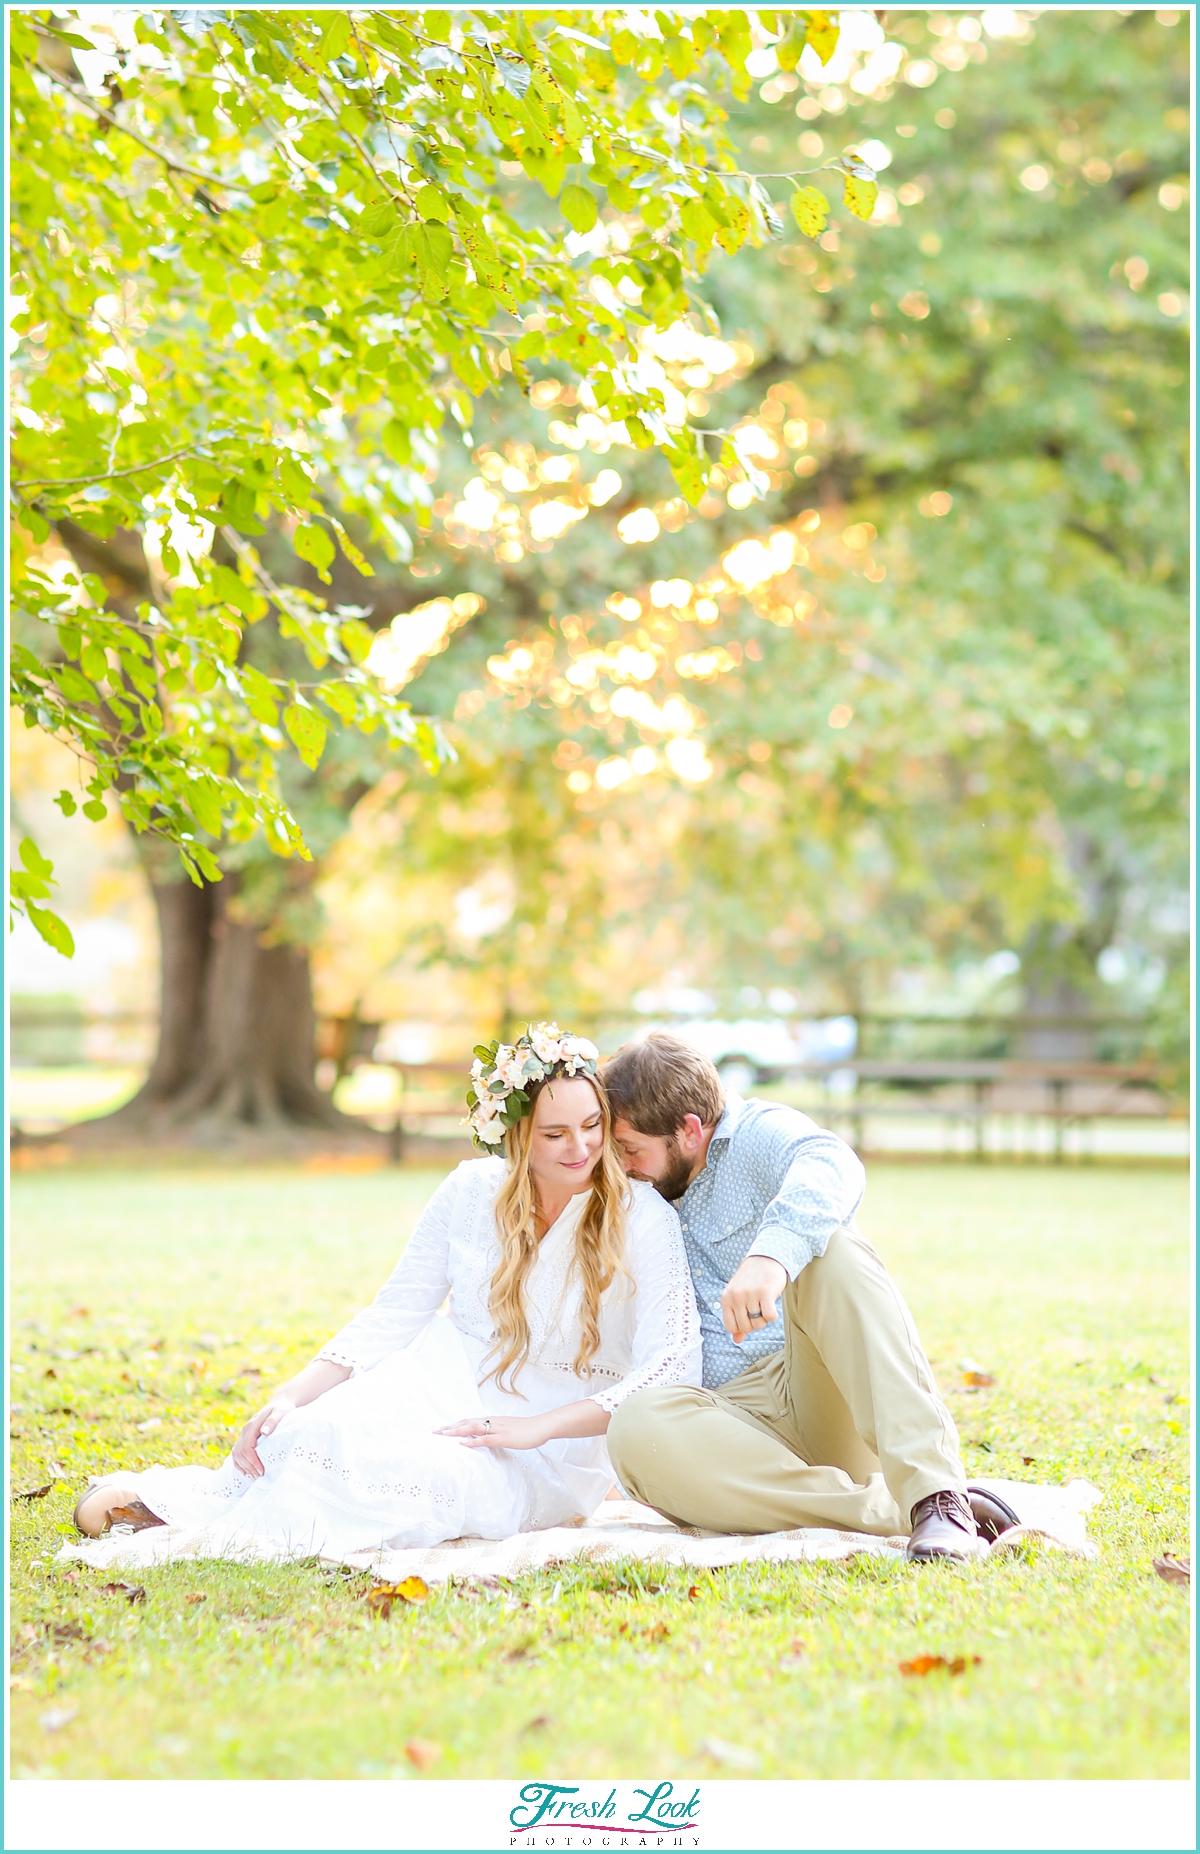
(755, 1051)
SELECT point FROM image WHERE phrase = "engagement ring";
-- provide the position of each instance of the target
(487, 1425)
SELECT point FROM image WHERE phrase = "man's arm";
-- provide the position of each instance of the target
(819, 1183)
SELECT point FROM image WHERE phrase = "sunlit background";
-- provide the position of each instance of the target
(869, 769)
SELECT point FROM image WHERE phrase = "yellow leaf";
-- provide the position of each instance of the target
(823, 35)
(810, 210)
(860, 196)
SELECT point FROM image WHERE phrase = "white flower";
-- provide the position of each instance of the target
(579, 1048)
(510, 1067)
(476, 1069)
(491, 1132)
(546, 1042)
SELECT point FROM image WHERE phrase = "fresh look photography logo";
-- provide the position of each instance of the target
(616, 1815)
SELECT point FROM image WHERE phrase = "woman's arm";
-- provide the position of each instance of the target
(585, 1418)
(413, 1292)
(305, 1387)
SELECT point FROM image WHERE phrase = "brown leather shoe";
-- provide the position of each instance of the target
(992, 1515)
(943, 1526)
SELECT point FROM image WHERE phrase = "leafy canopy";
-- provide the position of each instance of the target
(272, 249)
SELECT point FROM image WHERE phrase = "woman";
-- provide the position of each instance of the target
(568, 1290)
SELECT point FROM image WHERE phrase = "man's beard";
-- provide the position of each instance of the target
(675, 1180)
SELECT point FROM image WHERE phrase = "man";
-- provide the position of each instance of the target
(826, 1415)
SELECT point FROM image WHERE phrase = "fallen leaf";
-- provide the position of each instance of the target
(135, 1514)
(50, 1372)
(978, 1380)
(694, 1591)
(658, 1633)
(157, 1345)
(57, 1717)
(1029, 1460)
(518, 1654)
(35, 1493)
(67, 1632)
(739, 1757)
(71, 1577)
(1174, 1570)
(422, 1752)
(933, 1663)
(540, 1724)
(409, 1590)
(133, 1593)
(195, 1599)
(1145, 1454)
(80, 1313)
(250, 1371)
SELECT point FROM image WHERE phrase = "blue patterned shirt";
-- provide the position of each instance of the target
(774, 1183)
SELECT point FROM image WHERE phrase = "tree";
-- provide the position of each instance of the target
(933, 704)
(276, 253)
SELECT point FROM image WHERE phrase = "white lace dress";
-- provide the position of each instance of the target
(361, 1467)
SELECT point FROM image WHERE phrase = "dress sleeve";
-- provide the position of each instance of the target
(666, 1345)
(412, 1293)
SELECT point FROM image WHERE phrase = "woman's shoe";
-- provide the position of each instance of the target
(125, 1510)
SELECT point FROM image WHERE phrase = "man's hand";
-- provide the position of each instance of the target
(748, 1303)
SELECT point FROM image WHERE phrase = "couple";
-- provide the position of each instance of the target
(611, 1279)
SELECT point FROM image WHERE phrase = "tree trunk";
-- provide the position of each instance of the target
(237, 1031)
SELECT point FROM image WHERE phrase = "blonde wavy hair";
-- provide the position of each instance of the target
(599, 1240)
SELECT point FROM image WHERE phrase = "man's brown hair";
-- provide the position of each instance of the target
(657, 1082)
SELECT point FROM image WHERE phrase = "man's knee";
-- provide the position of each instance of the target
(847, 1259)
(636, 1428)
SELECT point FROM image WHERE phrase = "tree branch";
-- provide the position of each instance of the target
(176, 167)
(107, 476)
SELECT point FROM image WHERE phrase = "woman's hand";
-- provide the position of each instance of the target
(502, 1431)
(262, 1423)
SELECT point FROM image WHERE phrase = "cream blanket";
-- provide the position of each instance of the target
(620, 1529)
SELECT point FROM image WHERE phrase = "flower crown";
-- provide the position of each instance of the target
(502, 1072)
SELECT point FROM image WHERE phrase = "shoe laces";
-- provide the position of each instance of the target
(949, 1505)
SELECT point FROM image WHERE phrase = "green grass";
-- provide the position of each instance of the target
(148, 1295)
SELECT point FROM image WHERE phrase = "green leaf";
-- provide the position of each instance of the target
(431, 203)
(34, 861)
(313, 544)
(308, 731)
(93, 662)
(75, 687)
(397, 441)
(54, 931)
(860, 195)
(340, 698)
(66, 804)
(259, 696)
(334, 39)
(697, 221)
(96, 810)
(810, 209)
(204, 802)
(688, 468)
(578, 208)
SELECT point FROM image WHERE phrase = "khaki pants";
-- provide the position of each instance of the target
(842, 1427)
